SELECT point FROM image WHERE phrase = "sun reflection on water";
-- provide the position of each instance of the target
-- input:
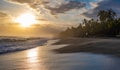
(32, 55)
(35, 60)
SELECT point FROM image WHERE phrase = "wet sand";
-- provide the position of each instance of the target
(43, 58)
(90, 45)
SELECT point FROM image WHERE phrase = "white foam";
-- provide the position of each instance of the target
(11, 45)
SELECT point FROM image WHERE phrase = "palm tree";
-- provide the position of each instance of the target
(102, 15)
(111, 14)
(106, 15)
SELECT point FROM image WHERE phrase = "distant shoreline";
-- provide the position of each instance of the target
(90, 45)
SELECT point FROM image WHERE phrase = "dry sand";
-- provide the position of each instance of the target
(92, 45)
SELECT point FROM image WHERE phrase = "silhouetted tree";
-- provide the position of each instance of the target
(107, 25)
(105, 15)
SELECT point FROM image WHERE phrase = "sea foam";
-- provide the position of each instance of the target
(10, 44)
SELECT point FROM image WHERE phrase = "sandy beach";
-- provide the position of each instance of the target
(43, 58)
(90, 45)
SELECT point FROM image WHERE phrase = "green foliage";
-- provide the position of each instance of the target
(106, 25)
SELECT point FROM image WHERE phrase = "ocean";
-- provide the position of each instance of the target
(12, 44)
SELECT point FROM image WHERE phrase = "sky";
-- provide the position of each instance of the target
(52, 15)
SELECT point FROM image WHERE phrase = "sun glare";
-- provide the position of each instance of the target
(26, 20)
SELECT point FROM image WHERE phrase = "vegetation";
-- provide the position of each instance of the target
(107, 25)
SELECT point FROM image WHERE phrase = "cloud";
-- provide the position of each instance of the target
(47, 30)
(66, 7)
(104, 5)
(94, 4)
(60, 10)
(3, 16)
(42, 19)
(21, 1)
(55, 6)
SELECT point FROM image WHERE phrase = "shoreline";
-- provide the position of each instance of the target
(90, 45)
(10, 47)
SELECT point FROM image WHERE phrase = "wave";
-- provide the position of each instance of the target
(8, 44)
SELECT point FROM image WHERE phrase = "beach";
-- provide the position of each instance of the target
(44, 58)
(109, 46)
(59, 35)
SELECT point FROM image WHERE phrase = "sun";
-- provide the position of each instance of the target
(26, 19)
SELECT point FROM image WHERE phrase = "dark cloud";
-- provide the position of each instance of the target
(113, 4)
(105, 5)
(63, 7)
(66, 7)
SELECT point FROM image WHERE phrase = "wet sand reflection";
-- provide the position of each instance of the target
(34, 60)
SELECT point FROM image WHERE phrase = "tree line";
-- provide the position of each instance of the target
(107, 25)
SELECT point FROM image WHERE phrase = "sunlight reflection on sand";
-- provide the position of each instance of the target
(42, 58)
(32, 55)
(34, 60)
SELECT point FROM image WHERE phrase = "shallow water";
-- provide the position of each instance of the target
(42, 58)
